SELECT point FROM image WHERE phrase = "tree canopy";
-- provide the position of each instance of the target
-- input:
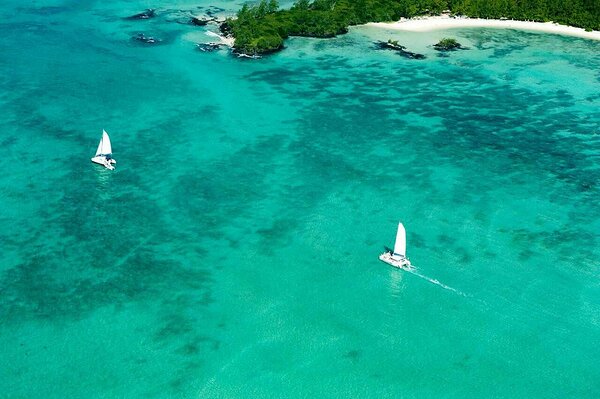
(262, 27)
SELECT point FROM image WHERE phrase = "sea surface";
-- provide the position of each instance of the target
(233, 251)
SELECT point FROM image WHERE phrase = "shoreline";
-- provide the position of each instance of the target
(426, 24)
(226, 40)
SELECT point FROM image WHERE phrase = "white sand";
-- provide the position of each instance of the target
(228, 41)
(425, 24)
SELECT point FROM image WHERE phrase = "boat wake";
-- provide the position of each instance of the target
(437, 282)
(397, 258)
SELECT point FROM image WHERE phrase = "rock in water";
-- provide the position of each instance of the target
(390, 45)
(448, 44)
(140, 37)
(225, 29)
(209, 47)
(394, 46)
(149, 13)
(200, 21)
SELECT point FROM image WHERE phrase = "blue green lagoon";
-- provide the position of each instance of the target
(233, 251)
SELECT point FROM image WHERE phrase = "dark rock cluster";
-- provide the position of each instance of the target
(209, 47)
(401, 50)
(142, 38)
(149, 13)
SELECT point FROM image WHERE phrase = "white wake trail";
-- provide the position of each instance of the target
(437, 282)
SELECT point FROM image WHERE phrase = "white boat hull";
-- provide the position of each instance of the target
(107, 163)
(396, 261)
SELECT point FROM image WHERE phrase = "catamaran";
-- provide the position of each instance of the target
(104, 153)
(397, 257)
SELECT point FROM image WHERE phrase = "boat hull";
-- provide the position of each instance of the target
(107, 163)
(400, 263)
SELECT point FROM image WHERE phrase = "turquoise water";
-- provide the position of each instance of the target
(233, 252)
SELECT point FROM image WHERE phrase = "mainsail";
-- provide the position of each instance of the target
(400, 245)
(104, 147)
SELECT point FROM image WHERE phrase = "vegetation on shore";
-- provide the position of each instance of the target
(394, 44)
(262, 28)
(447, 44)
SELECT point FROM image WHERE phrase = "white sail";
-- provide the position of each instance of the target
(400, 245)
(104, 147)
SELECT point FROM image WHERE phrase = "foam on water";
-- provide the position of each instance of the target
(436, 282)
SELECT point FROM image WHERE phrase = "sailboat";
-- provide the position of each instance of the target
(397, 256)
(104, 153)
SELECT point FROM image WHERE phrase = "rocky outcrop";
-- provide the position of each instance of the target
(149, 13)
(209, 47)
(201, 21)
(142, 38)
(226, 29)
(401, 50)
(448, 44)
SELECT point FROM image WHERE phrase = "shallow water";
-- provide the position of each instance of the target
(233, 252)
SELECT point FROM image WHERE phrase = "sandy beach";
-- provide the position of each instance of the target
(228, 41)
(446, 22)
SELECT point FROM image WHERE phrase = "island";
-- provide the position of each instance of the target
(263, 27)
(447, 44)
